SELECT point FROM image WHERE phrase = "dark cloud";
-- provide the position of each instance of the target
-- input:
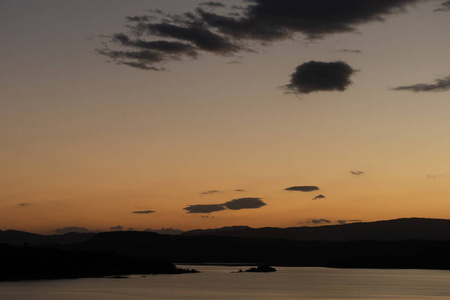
(204, 208)
(239, 190)
(212, 4)
(440, 85)
(71, 229)
(197, 34)
(143, 212)
(444, 6)
(141, 65)
(144, 56)
(235, 204)
(210, 192)
(167, 47)
(315, 76)
(274, 20)
(242, 28)
(262, 21)
(318, 18)
(351, 51)
(144, 59)
(305, 188)
(140, 18)
(237, 7)
(342, 222)
(318, 221)
(23, 204)
(116, 228)
(319, 197)
(357, 173)
(234, 62)
(244, 203)
(170, 231)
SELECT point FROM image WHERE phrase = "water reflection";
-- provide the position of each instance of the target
(218, 282)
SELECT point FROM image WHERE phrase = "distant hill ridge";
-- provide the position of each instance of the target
(389, 230)
(15, 237)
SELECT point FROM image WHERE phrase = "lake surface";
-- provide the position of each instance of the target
(217, 282)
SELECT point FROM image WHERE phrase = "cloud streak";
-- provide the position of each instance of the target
(116, 228)
(357, 173)
(204, 208)
(318, 221)
(143, 212)
(304, 188)
(350, 51)
(235, 204)
(244, 203)
(342, 222)
(440, 85)
(444, 6)
(319, 197)
(212, 4)
(210, 192)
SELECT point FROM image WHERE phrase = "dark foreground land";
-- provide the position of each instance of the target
(31, 263)
(131, 252)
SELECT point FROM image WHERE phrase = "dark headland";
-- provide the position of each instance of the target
(31, 263)
(403, 244)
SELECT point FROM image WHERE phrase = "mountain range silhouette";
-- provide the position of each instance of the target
(416, 243)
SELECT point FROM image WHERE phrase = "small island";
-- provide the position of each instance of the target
(262, 269)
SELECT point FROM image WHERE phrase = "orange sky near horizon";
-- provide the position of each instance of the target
(86, 143)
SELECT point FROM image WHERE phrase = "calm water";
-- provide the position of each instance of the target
(216, 282)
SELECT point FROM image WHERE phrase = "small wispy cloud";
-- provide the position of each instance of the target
(304, 188)
(444, 6)
(440, 85)
(436, 176)
(318, 221)
(143, 212)
(210, 192)
(342, 222)
(116, 228)
(212, 4)
(319, 197)
(350, 51)
(357, 173)
(204, 208)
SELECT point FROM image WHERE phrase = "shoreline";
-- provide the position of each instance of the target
(298, 266)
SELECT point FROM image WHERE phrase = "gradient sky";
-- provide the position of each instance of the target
(87, 140)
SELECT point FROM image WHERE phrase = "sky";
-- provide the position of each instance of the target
(186, 114)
